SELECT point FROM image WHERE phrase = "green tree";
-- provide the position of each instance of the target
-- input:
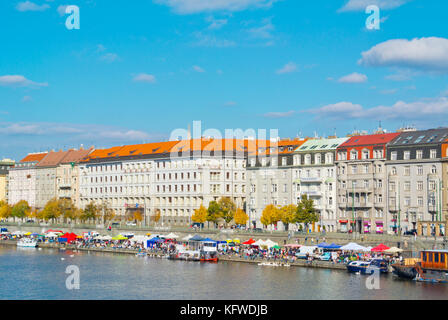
(68, 209)
(288, 215)
(306, 213)
(20, 210)
(91, 211)
(213, 212)
(227, 209)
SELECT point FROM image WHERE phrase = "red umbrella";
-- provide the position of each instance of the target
(250, 241)
(380, 248)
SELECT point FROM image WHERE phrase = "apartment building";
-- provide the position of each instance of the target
(362, 183)
(173, 177)
(67, 175)
(314, 175)
(270, 177)
(5, 165)
(445, 180)
(22, 179)
(415, 174)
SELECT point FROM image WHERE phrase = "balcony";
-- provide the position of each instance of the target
(309, 179)
(311, 193)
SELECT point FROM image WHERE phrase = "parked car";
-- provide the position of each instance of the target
(257, 230)
(115, 224)
(30, 221)
(410, 232)
(131, 223)
(326, 256)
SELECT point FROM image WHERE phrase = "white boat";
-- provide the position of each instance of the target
(27, 243)
(269, 264)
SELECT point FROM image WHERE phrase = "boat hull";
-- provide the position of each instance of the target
(405, 272)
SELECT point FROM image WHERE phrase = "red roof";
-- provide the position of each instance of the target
(371, 139)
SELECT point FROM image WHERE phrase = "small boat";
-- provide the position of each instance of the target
(368, 267)
(141, 254)
(433, 266)
(27, 243)
(269, 264)
(404, 271)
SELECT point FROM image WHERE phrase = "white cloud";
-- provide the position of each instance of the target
(19, 81)
(338, 110)
(361, 5)
(427, 54)
(144, 77)
(26, 98)
(198, 69)
(287, 68)
(279, 114)
(230, 104)
(212, 41)
(353, 78)
(31, 6)
(109, 57)
(216, 23)
(423, 109)
(389, 91)
(197, 6)
(262, 32)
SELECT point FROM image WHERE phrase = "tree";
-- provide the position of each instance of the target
(156, 216)
(270, 215)
(20, 209)
(69, 210)
(241, 217)
(288, 215)
(199, 215)
(5, 210)
(91, 211)
(137, 216)
(306, 213)
(213, 212)
(227, 209)
(52, 210)
(107, 213)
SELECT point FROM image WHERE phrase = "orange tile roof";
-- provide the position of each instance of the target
(251, 147)
(52, 158)
(33, 157)
(76, 155)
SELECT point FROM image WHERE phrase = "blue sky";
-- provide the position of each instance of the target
(136, 70)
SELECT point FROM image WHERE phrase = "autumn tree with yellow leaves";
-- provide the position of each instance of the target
(240, 217)
(200, 215)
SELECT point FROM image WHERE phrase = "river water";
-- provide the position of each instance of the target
(30, 273)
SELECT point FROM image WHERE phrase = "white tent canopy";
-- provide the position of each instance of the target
(393, 250)
(171, 236)
(139, 238)
(187, 237)
(51, 235)
(259, 243)
(352, 246)
(269, 243)
(18, 232)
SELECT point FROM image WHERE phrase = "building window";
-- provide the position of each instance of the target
(433, 153)
(365, 154)
(407, 155)
(407, 170)
(354, 155)
(419, 154)
(393, 155)
(420, 170)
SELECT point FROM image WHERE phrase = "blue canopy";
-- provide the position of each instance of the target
(154, 240)
(332, 246)
(208, 239)
(196, 238)
(322, 245)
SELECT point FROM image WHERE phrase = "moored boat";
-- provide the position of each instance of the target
(368, 267)
(433, 266)
(404, 271)
(27, 243)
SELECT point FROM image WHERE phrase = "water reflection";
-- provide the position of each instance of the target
(40, 274)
